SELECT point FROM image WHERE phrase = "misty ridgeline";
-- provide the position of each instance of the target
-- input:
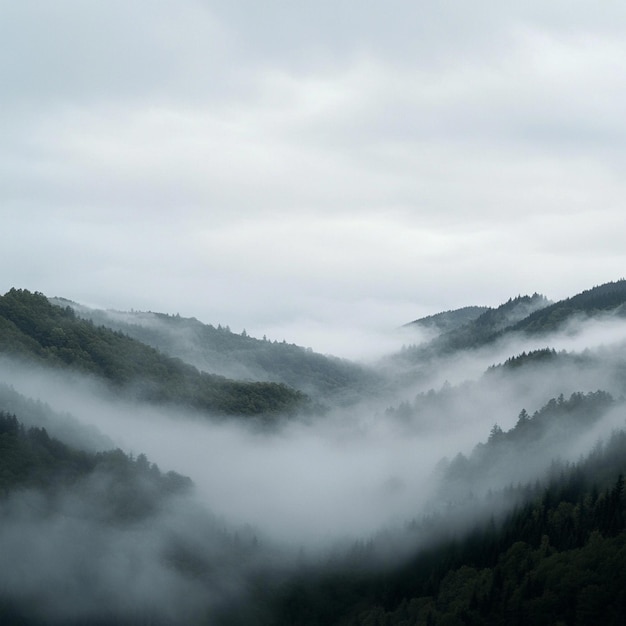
(155, 469)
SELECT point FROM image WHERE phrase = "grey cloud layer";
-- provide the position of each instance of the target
(300, 149)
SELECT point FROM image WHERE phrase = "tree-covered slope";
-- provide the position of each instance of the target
(36, 330)
(558, 557)
(525, 451)
(62, 426)
(485, 328)
(30, 458)
(526, 315)
(606, 298)
(527, 527)
(449, 320)
(218, 350)
(106, 538)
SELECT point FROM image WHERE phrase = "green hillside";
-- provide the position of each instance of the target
(62, 426)
(37, 331)
(30, 458)
(530, 315)
(218, 350)
(488, 326)
(610, 297)
(94, 528)
(449, 320)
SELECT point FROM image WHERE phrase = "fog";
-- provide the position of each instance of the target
(310, 482)
(76, 567)
(353, 470)
(316, 482)
(577, 335)
(352, 339)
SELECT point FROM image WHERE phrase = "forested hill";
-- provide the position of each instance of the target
(96, 538)
(532, 315)
(32, 459)
(34, 329)
(62, 426)
(486, 327)
(220, 351)
(449, 320)
(528, 448)
(556, 558)
(607, 298)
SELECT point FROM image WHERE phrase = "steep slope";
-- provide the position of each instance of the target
(220, 351)
(34, 329)
(509, 532)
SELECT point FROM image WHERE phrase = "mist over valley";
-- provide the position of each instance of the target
(168, 470)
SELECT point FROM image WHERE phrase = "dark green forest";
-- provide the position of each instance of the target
(609, 297)
(480, 330)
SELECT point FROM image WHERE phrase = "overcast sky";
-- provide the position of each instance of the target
(311, 170)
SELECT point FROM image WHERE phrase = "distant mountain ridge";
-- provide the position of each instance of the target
(531, 315)
(449, 320)
(481, 330)
(609, 297)
(240, 356)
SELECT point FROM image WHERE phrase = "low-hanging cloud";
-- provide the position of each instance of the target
(354, 470)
